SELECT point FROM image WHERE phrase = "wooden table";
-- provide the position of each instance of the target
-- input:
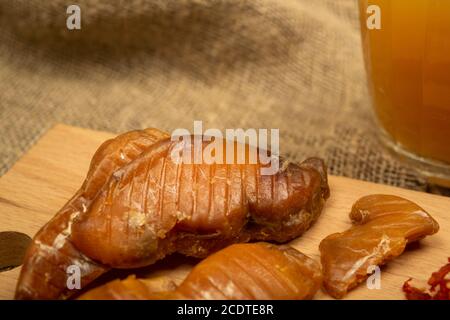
(50, 173)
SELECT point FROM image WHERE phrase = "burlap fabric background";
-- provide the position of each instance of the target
(295, 65)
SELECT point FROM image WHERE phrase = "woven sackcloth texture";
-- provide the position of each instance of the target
(295, 65)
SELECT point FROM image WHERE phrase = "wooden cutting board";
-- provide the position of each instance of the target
(50, 173)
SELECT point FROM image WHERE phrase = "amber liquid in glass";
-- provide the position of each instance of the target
(408, 65)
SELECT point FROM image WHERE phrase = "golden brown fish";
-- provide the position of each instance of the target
(154, 206)
(383, 226)
(137, 206)
(130, 288)
(43, 274)
(258, 271)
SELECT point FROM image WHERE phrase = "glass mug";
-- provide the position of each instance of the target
(407, 53)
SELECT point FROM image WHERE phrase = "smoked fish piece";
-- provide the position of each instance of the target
(155, 206)
(132, 211)
(130, 288)
(44, 272)
(252, 271)
(382, 227)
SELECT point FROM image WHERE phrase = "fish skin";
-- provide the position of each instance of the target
(153, 207)
(250, 271)
(382, 227)
(43, 274)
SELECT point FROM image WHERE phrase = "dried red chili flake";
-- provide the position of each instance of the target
(436, 281)
(413, 293)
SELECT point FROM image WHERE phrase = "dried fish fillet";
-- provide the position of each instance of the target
(130, 288)
(258, 271)
(137, 206)
(382, 227)
(154, 206)
(44, 272)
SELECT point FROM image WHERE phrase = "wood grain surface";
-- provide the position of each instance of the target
(51, 172)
